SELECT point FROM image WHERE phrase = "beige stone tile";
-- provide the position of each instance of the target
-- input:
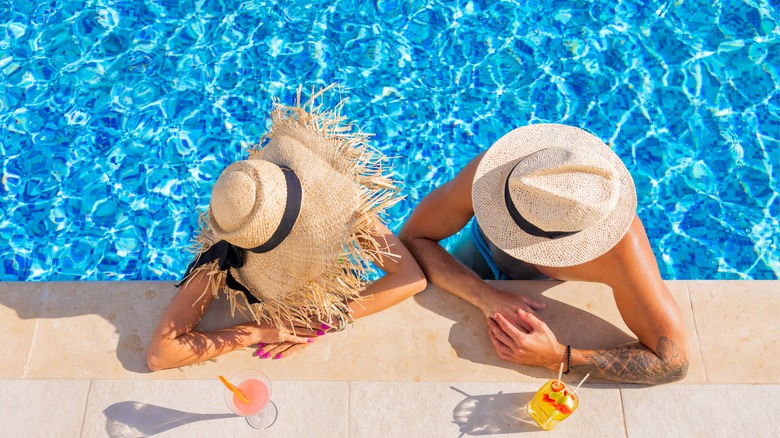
(97, 329)
(585, 315)
(448, 409)
(434, 336)
(738, 326)
(42, 408)
(702, 411)
(20, 305)
(101, 330)
(196, 408)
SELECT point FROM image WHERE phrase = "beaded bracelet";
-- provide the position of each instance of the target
(568, 359)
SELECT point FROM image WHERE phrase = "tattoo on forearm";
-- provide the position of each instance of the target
(636, 363)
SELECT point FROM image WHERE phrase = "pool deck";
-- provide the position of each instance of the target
(425, 368)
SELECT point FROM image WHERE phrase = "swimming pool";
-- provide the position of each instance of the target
(118, 115)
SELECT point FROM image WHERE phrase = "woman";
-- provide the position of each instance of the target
(289, 237)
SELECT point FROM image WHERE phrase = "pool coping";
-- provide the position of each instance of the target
(88, 339)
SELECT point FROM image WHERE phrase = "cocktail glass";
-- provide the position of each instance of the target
(553, 403)
(260, 412)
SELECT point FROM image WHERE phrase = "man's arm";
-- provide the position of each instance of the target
(442, 213)
(631, 363)
(635, 362)
(648, 309)
(645, 304)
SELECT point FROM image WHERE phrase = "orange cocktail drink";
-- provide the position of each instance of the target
(552, 404)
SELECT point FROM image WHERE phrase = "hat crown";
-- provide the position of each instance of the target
(563, 189)
(229, 199)
(247, 202)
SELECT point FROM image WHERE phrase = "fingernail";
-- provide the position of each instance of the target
(266, 356)
(260, 345)
(278, 356)
(258, 352)
(325, 326)
(310, 340)
(320, 332)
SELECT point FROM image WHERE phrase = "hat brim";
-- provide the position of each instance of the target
(326, 258)
(494, 219)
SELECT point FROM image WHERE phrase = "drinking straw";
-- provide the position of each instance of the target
(235, 390)
(560, 371)
(581, 381)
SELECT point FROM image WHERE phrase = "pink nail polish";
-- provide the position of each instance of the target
(320, 332)
(325, 326)
(310, 340)
(261, 345)
(258, 353)
(278, 356)
(266, 356)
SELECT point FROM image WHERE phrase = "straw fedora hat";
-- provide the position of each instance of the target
(289, 231)
(553, 195)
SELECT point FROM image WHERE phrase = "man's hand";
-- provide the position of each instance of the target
(536, 346)
(507, 304)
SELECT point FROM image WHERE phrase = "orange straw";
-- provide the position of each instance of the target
(235, 390)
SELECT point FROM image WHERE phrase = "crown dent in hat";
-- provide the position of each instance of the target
(564, 190)
(247, 202)
(578, 179)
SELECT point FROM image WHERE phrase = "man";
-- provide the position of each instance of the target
(553, 200)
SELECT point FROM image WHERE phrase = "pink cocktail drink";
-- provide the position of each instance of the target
(255, 386)
(257, 394)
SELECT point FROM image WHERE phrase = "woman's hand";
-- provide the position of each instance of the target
(276, 344)
(509, 305)
(535, 347)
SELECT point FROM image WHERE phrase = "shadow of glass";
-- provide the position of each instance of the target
(131, 419)
(493, 414)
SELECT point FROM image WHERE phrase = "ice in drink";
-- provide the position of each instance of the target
(552, 404)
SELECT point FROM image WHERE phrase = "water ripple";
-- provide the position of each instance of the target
(117, 116)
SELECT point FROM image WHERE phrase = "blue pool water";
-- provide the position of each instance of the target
(117, 116)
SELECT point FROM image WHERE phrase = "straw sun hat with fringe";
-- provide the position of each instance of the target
(553, 195)
(290, 231)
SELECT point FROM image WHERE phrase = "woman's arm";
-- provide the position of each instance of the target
(403, 277)
(176, 343)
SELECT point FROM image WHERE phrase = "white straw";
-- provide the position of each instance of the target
(581, 381)
(560, 370)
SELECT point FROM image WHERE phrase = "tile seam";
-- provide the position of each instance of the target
(44, 295)
(29, 352)
(84, 414)
(349, 403)
(696, 327)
